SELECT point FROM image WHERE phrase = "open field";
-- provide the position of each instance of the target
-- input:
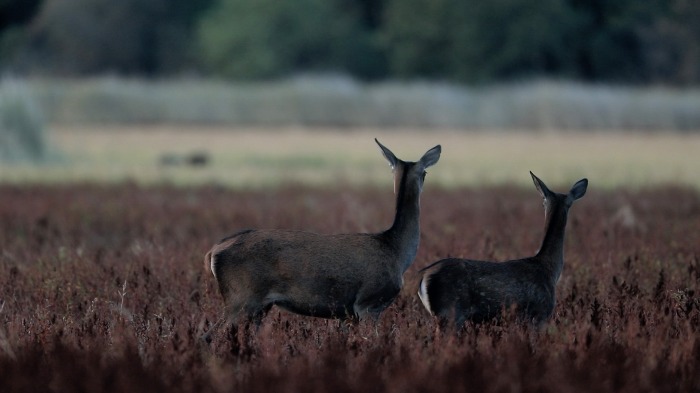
(252, 157)
(103, 288)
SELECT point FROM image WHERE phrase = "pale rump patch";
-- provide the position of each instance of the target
(225, 244)
(217, 249)
(423, 294)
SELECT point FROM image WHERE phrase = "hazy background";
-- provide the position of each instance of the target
(150, 89)
(477, 41)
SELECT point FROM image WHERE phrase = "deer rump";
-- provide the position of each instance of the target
(481, 291)
(327, 276)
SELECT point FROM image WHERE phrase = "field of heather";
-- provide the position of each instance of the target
(103, 289)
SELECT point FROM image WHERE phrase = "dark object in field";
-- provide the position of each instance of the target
(195, 159)
(345, 276)
(479, 291)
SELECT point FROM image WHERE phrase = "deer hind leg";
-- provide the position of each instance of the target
(230, 317)
(250, 311)
(206, 338)
(244, 328)
(255, 314)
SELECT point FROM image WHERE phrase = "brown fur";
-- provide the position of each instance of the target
(330, 276)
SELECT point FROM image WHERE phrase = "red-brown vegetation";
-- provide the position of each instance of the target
(103, 288)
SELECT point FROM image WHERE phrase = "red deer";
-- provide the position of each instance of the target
(343, 276)
(478, 291)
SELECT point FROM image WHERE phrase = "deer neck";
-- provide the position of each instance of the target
(552, 249)
(404, 234)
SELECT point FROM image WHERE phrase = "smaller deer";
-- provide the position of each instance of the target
(478, 291)
(343, 276)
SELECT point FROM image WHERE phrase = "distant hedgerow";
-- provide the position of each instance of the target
(21, 124)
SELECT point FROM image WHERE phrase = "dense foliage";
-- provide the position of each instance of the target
(655, 41)
(103, 289)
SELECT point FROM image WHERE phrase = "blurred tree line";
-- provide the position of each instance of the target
(471, 41)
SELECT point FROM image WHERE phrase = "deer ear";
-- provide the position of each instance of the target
(388, 154)
(541, 187)
(578, 190)
(431, 157)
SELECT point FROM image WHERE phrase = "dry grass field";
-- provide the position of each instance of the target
(268, 157)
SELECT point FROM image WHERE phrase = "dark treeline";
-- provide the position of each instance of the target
(474, 41)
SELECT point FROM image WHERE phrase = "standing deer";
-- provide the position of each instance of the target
(478, 291)
(344, 276)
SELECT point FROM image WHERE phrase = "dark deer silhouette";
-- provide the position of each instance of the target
(343, 276)
(478, 291)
